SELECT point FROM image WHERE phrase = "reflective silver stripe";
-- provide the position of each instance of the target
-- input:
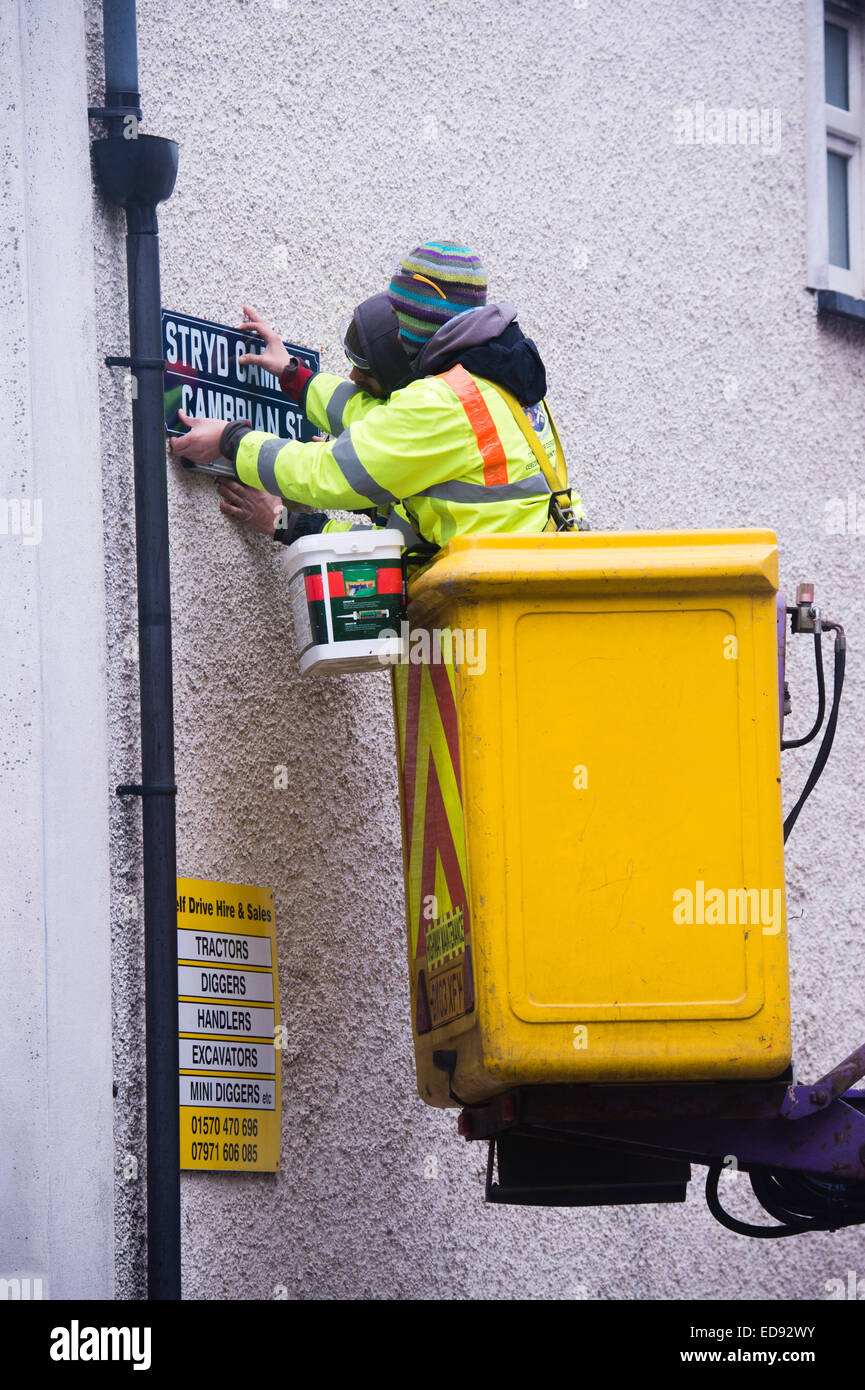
(355, 474)
(477, 492)
(265, 464)
(395, 522)
(337, 403)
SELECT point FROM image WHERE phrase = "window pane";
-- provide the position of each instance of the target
(837, 90)
(839, 241)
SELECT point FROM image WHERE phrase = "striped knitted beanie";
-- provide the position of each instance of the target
(432, 284)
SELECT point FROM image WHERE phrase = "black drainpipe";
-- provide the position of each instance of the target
(137, 172)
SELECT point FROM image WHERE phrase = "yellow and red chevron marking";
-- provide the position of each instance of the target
(429, 765)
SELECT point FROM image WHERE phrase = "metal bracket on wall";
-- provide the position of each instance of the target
(140, 364)
(136, 789)
(116, 113)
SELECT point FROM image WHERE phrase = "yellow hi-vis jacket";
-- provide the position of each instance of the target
(440, 458)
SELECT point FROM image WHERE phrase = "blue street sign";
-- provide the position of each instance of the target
(203, 377)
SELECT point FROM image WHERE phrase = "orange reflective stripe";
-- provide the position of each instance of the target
(485, 432)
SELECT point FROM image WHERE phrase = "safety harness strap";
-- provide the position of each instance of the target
(492, 451)
(556, 478)
(561, 512)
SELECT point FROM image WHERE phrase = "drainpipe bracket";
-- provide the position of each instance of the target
(140, 364)
(136, 789)
(113, 113)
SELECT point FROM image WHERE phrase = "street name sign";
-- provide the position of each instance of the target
(204, 377)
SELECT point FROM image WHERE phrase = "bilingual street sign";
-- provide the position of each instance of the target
(204, 377)
(228, 1023)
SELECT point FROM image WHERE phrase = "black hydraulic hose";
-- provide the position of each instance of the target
(810, 1200)
(840, 661)
(821, 699)
(782, 1196)
(800, 1201)
(741, 1228)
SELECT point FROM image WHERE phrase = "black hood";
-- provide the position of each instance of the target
(512, 361)
(377, 329)
(489, 342)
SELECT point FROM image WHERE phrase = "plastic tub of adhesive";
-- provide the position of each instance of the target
(346, 596)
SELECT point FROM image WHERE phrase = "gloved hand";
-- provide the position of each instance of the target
(300, 524)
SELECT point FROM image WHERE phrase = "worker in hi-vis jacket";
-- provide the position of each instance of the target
(444, 455)
(379, 366)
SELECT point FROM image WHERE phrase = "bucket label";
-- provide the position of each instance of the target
(365, 598)
(361, 586)
(300, 610)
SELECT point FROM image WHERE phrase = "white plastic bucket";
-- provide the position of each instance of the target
(345, 589)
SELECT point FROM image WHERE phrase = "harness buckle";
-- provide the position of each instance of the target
(562, 513)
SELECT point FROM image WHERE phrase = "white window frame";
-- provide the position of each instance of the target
(831, 128)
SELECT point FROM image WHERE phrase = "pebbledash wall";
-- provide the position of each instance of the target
(665, 280)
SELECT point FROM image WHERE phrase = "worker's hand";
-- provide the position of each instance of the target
(201, 444)
(274, 355)
(257, 510)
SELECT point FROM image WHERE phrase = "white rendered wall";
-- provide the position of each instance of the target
(56, 1142)
(666, 285)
